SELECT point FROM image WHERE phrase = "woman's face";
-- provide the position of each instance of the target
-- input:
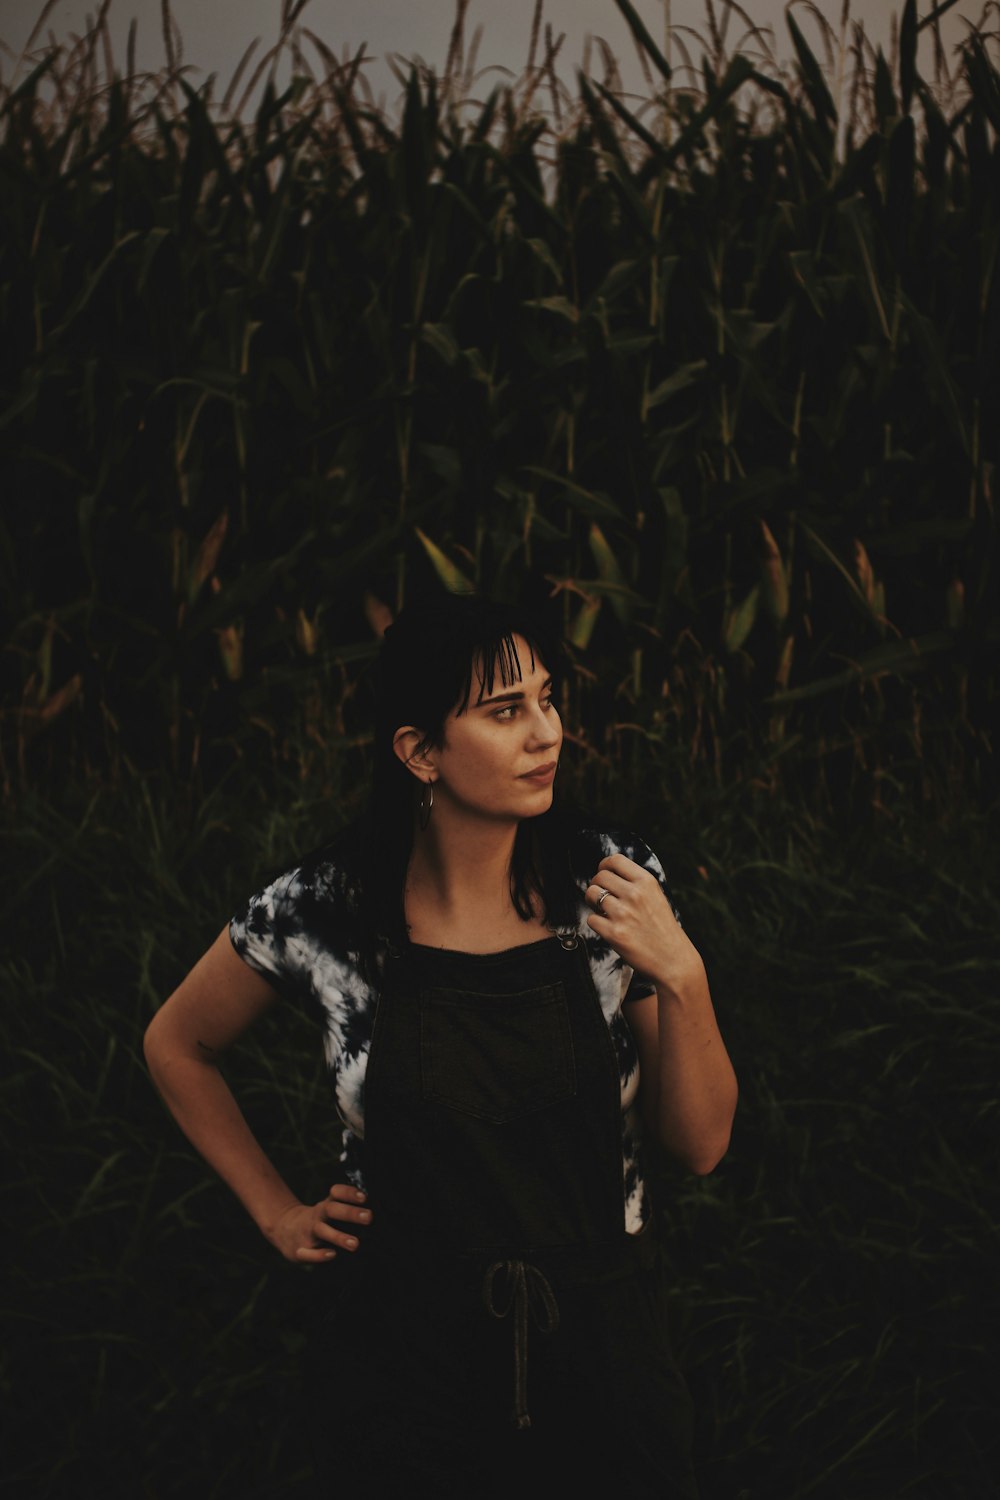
(491, 748)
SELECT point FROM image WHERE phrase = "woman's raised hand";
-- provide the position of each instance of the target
(305, 1234)
(631, 912)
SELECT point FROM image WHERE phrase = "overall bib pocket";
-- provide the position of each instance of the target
(496, 1057)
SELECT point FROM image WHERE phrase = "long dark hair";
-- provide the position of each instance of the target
(428, 665)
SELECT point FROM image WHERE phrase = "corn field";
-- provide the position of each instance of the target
(711, 376)
(714, 378)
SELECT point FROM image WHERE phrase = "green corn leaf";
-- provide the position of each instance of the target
(743, 332)
(861, 225)
(927, 340)
(613, 590)
(984, 80)
(274, 228)
(772, 86)
(812, 75)
(955, 604)
(27, 88)
(739, 71)
(908, 53)
(898, 658)
(416, 146)
(588, 501)
(936, 140)
(901, 183)
(642, 36)
(230, 639)
(886, 105)
(637, 212)
(444, 461)
(857, 591)
(859, 173)
(739, 622)
(647, 137)
(542, 252)
(609, 572)
(936, 11)
(803, 264)
(481, 128)
(83, 301)
(154, 239)
(452, 577)
(207, 556)
(606, 137)
(454, 195)
(440, 338)
(559, 305)
(773, 578)
(680, 380)
(582, 626)
(675, 579)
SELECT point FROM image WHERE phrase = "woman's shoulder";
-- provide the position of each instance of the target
(596, 838)
(324, 876)
(303, 913)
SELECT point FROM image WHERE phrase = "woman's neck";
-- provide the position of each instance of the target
(463, 865)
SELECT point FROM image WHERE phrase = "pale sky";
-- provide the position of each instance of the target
(216, 32)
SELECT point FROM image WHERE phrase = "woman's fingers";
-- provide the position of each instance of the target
(343, 1206)
(620, 864)
(311, 1233)
(606, 885)
(340, 1239)
(344, 1203)
(345, 1193)
(354, 1210)
(313, 1256)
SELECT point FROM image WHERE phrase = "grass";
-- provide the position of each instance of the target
(834, 1281)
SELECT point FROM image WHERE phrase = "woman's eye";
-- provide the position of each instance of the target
(511, 709)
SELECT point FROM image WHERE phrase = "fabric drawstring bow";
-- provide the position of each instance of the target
(525, 1288)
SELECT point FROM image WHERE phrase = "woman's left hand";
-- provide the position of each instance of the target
(636, 919)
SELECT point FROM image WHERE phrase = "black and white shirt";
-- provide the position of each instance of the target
(284, 933)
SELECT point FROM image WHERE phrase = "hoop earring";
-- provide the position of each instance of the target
(425, 804)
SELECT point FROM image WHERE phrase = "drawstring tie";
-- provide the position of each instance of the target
(526, 1288)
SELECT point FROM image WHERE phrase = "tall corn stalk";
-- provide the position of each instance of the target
(719, 392)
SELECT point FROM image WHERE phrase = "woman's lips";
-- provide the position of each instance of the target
(542, 775)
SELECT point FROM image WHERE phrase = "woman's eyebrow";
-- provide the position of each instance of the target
(508, 697)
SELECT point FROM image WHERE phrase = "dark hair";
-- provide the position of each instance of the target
(426, 667)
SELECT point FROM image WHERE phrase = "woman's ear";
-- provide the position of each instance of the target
(404, 743)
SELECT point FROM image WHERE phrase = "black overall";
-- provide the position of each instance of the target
(497, 1323)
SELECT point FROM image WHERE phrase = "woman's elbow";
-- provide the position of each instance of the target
(704, 1156)
(159, 1044)
(701, 1166)
(150, 1040)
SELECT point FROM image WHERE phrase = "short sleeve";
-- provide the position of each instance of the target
(639, 986)
(266, 931)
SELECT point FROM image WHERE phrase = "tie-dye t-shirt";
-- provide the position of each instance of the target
(284, 932)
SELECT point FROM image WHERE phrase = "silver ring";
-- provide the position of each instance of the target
(601, 899)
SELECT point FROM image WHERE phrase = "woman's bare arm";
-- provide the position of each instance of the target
(687, 1087)
(210, 1009)
(686, 1081)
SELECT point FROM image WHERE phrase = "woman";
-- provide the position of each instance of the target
(507, 994)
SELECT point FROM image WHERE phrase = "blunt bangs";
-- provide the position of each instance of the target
(497, 655)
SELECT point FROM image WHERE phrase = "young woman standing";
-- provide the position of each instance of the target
(510, 1006)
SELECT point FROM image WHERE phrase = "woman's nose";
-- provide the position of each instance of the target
(545, 728)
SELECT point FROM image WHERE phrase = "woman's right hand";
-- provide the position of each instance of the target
(305, 1234)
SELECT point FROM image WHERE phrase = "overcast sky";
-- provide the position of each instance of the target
(216, 32)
